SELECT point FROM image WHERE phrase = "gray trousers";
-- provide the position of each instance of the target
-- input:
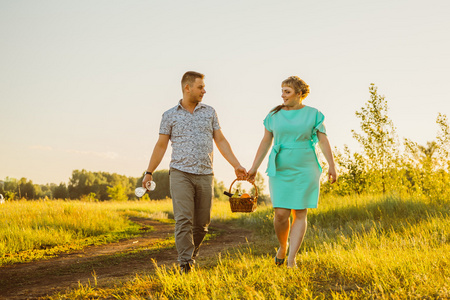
(192, 203)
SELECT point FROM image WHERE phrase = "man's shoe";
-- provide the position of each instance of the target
(186, 268)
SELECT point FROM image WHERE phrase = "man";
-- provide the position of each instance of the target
(191, 126)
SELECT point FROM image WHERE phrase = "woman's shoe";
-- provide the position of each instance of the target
(279, 261)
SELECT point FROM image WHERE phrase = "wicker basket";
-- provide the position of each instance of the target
(243, 204)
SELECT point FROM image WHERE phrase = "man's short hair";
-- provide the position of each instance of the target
(189, 78)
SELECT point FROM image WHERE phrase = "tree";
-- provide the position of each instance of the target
(80, 183)
(118, 193)
(26, 189)
(9, 195)
(352, 170)
(443, 141)
(427, 166)
(10, 188)
(83, 182)
(379, 142)
(44, 190)
(60, 191)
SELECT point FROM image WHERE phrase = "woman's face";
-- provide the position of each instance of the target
(289, 96)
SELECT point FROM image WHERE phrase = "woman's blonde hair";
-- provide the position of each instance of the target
(298, 85)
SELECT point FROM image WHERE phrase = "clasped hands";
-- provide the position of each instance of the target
(242, 174)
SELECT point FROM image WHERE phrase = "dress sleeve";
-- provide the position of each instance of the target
(318, 126)
(268, 122)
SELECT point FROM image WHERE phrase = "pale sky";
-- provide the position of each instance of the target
(83, 84)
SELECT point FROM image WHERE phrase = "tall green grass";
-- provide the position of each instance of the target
(31, 230)
(366, 247)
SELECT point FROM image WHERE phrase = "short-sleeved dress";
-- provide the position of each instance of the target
(293, 169)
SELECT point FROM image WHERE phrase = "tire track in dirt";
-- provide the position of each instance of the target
(112, 262)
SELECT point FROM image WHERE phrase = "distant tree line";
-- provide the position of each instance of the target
(86, 185)
(98, 186)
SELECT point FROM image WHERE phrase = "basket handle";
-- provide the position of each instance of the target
(256, 189)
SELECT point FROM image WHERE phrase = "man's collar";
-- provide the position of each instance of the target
(199, 105)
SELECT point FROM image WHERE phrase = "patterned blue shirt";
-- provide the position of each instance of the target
(191, 136)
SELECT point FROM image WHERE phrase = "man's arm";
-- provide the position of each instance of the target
(157, 156)
(225, 149)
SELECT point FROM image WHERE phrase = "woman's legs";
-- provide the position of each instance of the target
(282, 225)
(298, 230)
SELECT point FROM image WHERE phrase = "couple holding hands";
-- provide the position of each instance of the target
(293, 168)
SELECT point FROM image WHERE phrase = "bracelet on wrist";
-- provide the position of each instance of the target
(149, 173)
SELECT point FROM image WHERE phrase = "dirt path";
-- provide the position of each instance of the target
(112, 262)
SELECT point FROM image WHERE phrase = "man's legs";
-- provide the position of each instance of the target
(183, 192)
(203, 206)
(192, 202)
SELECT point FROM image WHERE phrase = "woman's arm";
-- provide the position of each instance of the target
(264, 147)
(324, 145)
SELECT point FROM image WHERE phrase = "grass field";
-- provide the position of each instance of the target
(366, 247)
(32, 230)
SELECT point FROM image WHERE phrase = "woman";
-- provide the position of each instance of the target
(293, 167)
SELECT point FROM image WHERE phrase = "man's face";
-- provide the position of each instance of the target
(197, 90)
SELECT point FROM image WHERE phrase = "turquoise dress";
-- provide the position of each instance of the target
(293, 169)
